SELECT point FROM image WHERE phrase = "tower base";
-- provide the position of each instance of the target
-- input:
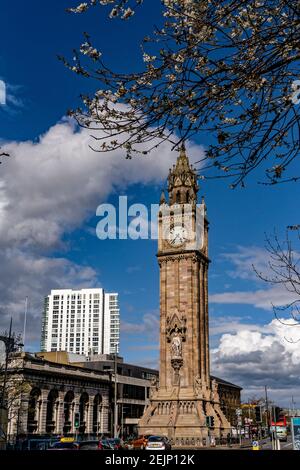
(181, 415)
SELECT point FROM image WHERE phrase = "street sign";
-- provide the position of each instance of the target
(295, 425)
(255, 445)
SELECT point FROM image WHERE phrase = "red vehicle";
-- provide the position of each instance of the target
(140, 442)
(280, 422)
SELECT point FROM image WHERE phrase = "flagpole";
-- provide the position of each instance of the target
(25, 320)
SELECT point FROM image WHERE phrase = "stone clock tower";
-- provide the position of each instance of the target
(185, 394)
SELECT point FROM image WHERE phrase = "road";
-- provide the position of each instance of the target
(267, 445)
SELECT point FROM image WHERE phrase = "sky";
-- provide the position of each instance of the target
(53, 182)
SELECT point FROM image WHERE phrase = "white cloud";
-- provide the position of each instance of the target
(27, 274)
(148, 325)
(48, 188)
(231, 324)
(243, 259)
(260, 298)
(10, 99)
(270, 355)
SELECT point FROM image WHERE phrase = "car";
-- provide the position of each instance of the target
(90, 445)
(128, 444)
(140, 442)
(280, 432)
(158, 443)
(116, 442)
(107, 444)
(64, 446)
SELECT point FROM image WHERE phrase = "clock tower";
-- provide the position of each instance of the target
(185, 395)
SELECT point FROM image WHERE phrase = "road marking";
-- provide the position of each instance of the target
(289, 444)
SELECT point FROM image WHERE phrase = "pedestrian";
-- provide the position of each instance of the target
(229, 439)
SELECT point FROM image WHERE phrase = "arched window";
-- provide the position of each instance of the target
(50, 423)
(68, 403)
(83, 406)
(32, 420)
(97, 413)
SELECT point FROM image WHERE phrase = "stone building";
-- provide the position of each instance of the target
(53, 394)
(230, 399)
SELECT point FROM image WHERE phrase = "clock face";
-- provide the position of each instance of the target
(178, 236)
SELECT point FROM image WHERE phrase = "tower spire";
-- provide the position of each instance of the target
(182, 180)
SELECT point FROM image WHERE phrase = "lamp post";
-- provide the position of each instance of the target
(115, 398)
(114, 371)
(267, 406)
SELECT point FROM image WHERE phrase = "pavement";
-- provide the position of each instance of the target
(265, 444)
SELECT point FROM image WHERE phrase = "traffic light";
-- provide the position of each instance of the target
(212, 421)
(77, 420)
(277, 413)
(258, 414)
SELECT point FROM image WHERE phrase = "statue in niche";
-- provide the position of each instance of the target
(176, 346)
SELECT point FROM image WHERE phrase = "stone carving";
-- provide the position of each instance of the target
(198, 385)
(176, 324)
(172, 415)
(154, 386)
(176, 363)
(214, 391)
(154, 382)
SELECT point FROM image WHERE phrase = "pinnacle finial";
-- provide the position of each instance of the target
(162, 198)
(182, 160)
(182, 151)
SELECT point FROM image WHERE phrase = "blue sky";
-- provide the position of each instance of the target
(51, 187)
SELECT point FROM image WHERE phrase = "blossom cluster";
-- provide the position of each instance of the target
(217, 66)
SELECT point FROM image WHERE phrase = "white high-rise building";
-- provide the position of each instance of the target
(85, 321)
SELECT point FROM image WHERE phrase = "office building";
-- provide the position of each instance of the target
(85, 321)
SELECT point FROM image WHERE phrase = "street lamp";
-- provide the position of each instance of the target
(115, 398)
(114, 371)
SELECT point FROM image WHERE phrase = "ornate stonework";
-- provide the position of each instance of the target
(185, 394)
